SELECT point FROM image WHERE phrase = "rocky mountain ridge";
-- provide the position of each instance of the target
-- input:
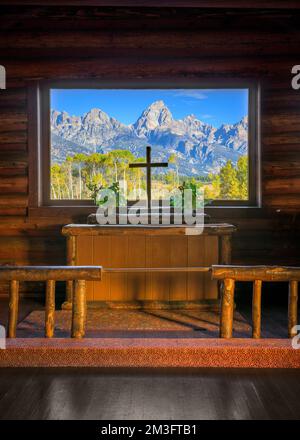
(199, 147)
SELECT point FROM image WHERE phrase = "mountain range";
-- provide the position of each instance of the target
(199, 147)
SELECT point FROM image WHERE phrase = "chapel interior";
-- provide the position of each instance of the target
(152, 306)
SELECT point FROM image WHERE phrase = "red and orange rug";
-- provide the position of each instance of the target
(136, 323)
(145, 338)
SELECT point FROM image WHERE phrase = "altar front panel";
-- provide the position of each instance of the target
(150, 251)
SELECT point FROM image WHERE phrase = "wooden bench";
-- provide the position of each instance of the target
(257, 274)
(50, 274)
(228, 275)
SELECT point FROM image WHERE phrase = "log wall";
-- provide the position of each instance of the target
(88, 42)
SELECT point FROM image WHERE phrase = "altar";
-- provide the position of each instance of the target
(144, 247)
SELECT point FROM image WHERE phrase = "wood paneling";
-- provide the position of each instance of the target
(101, 252)
(136, 282)
(86, 254)
(131, 250)
(160, 43)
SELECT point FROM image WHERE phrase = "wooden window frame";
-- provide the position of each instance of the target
(40, 203)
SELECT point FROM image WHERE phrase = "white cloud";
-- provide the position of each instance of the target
(191, 93)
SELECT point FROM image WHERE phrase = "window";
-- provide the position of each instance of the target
(95, 137)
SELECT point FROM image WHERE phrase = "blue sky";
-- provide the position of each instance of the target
(214, 107)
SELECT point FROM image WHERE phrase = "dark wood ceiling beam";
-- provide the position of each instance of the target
(238, 4)
(196, 67)
(168, 44)
(207, 41)
(62, 18)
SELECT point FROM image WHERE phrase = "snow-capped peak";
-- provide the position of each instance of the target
(199, 145)
(156, 115)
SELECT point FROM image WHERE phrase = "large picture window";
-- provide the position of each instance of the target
(96, 137)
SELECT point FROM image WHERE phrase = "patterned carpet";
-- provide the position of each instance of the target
(120, 323)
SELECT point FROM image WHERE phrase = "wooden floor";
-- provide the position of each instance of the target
(186, 394)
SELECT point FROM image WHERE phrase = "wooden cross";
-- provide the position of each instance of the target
(148, 165)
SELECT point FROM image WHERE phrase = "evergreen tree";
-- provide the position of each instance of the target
(229, 183)
(242, 176)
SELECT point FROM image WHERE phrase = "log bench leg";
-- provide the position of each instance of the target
(292, 310)
(256, 309)
(67, 304)
(50, 309)
(79, 310)
(13, 308)
(227, 306)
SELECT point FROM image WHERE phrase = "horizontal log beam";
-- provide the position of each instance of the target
(252, 273)
(216, 4)
(213, 229)
(260, 67)
(13, 137)
(13, 201)
(14, 98)
(55, 273)
(12, 212)
(117, 19)
(155, 269)
(155, 41)
(13, 184)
